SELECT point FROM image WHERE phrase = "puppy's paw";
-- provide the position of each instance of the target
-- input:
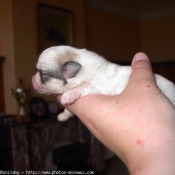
(65, 115)
(62, 117)
(70, 96)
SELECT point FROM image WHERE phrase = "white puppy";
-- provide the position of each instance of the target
(75, 73)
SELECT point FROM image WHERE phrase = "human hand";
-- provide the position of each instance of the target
(138, 125)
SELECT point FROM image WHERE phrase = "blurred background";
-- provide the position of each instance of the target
(115, 29)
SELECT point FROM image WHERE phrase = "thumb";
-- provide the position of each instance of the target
(141, 77)
(140, 60)
(141, 68)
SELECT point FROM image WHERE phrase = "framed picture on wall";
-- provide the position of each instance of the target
(55, 27)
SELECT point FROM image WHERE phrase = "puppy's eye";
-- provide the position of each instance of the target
(44, 76)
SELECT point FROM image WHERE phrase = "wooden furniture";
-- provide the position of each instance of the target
(166, 69)
(24, 146)
(2, 103)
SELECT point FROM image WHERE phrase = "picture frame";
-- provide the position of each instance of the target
(55, 27)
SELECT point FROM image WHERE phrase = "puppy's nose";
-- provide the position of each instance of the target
(33, 79)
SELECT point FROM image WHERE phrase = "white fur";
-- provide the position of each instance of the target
(96, 75)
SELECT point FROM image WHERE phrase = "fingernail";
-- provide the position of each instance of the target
(141, 56)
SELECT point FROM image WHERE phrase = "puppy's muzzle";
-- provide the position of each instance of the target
(35, 83)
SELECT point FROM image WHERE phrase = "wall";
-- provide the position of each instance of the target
(7, 50)
(115, 37)
(158, 38)
(118, 38)
(22, 16)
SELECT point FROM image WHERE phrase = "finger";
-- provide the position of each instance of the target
(142, 80)
(141, 60)
(79, 107)
(141, 69)
(141, 63)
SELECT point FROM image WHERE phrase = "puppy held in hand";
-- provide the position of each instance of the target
(75, 73)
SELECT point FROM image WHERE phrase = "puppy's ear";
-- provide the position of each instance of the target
(70, 69)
